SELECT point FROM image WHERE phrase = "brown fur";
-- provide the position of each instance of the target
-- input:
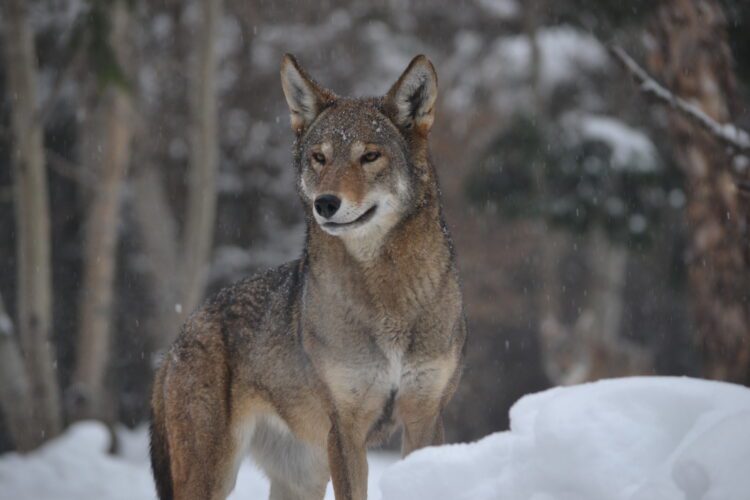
(307, 364)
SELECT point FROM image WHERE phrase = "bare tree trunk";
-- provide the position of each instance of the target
(693, 60)
(201, 204)
(555, 338)
(100, 240)
(609, 263)
(33, 225)
(178, 270)
(593, 348)
(15, 391)
(610, 354)
(550, 241)
(158, 234)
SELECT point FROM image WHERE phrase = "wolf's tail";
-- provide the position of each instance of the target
(159, 447)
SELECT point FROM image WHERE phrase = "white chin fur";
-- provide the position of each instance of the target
(339, 231)
(364, 240)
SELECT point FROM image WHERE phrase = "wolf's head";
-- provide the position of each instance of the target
(362, 163)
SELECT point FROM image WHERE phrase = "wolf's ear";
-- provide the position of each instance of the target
(306, 99)
(411, 101)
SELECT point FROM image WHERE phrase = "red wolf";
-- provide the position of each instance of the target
(308, 364)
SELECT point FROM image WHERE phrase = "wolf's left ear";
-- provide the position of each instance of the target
(306, 99)
(411, 101)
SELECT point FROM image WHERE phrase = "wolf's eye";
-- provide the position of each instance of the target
(370, 157)
(319, 158)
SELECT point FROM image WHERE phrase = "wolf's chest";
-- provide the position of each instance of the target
(391, 374)
(394, 368)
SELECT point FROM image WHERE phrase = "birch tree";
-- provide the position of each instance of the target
(15, 393)
(106, 159)
(32, 220)
(204, 159)
(179, 266)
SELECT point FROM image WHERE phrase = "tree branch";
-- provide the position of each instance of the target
(61, 166)
(731, 135)
(58, 84)
(737, 139)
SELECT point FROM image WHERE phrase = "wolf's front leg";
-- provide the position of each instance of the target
(423, 424)
(347, 459)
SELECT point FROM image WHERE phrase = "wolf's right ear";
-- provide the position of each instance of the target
(306, 99)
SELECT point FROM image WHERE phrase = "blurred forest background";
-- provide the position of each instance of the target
(145, 161)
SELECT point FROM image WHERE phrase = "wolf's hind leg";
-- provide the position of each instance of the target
(207, 436)
(297, 470)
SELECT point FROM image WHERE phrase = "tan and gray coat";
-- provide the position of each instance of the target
(307, 364)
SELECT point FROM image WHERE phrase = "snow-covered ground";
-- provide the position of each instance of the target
(645, 438)
(76, 466)
(635, 438)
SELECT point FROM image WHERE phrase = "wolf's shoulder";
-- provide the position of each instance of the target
(243, 308)
(259, 290)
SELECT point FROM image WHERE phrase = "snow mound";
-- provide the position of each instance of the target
(650, 438)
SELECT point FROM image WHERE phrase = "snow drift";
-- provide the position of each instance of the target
(635, 438)
(646, 438)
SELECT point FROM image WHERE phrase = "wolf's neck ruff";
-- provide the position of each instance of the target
(402, 270)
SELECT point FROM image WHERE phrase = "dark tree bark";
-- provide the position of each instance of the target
(692, 58)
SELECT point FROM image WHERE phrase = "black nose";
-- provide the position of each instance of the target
(327, 204)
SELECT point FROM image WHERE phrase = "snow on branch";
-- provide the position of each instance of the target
(6, 324)
(733, 136)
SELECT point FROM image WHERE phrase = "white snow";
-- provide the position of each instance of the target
(6, 325)
(727, 132)
(76, 466)
(631, 148)
(502, 9)
(644, 438)
(503, 71)
(564, 52)
(273, 40)
(651, 438)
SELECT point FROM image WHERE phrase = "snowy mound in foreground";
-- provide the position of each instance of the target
(651, 438)
(634, 439)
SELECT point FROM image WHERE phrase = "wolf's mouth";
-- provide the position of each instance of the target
(356, 222)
